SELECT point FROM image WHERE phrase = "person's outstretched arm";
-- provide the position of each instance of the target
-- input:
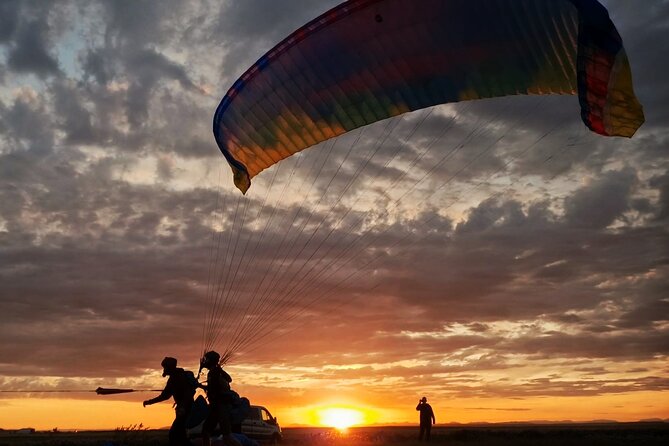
(166, 394)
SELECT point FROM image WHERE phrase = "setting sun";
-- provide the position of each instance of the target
(340, 418)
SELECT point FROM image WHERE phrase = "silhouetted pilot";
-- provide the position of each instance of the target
(180, 387)
(426, 419)
(220, 400)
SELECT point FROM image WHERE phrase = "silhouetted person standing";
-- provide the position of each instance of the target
(220, 400)
(426, 419)
(180, 387)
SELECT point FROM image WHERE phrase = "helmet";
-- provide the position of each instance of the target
(168, 364)
(211, 358)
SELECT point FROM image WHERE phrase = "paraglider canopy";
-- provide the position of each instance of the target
(368, 60)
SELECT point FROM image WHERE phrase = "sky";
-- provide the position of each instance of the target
(523, 278)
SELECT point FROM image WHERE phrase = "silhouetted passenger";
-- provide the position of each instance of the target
(180, 386)
(426, 419)
(220, 400)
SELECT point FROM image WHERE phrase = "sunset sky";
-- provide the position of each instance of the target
(525, 278)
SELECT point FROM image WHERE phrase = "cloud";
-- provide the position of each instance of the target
(661, 183)
(28, 39)
(138, 23)
(9, 12)
(75, 119)
(146, 69)
(602, 203)
(28, 124)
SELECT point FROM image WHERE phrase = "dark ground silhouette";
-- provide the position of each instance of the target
(615, 434)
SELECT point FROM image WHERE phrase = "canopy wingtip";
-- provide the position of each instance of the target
(242, 180)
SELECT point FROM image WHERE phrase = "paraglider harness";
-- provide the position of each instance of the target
(188, 386)
(239, 409)
(191, 381)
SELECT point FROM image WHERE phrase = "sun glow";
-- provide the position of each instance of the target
(340, 418)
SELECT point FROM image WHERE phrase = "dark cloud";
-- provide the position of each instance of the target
(29, 40)
(646, 314)
(28, 126)
(268, 20)
(635, 345)
(147, 68)
(600, 204)
(249, 29)
(556, 386)
(9, 13)
(138, 23)
(661, 183)
(97, 65)
(74, 118)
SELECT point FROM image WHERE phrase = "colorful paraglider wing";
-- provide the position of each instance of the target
(367, 60)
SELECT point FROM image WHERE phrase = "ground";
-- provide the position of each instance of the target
(620, 434)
